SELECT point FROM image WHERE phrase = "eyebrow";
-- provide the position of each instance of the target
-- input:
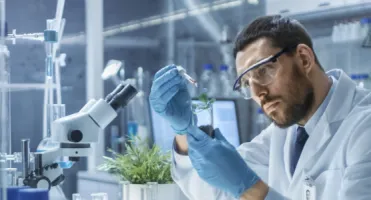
(255, 61)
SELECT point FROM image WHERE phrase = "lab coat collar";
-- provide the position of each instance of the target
(313, 121)
(338, 108)
(341, 102)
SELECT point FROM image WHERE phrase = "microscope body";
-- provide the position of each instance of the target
(75, 133)
(83, 127)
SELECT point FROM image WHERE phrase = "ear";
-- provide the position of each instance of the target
(306, 56)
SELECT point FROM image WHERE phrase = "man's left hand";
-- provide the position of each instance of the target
(218, 163)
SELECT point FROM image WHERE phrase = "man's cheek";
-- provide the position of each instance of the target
(282, 108)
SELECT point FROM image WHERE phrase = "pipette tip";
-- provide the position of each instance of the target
(190, 79)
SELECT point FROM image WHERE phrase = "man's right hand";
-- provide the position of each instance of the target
(170, 98)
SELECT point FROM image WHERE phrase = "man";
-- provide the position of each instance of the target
(319, 140)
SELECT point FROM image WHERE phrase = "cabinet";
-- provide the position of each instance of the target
(291, 7)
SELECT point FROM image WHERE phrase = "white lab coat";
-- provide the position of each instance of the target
(337, 155)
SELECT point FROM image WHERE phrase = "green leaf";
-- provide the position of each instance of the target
(203, 98)
(205, 104)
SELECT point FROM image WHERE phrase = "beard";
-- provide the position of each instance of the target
(293, 112)
(296, 104)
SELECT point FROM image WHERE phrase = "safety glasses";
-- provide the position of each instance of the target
(262, 73)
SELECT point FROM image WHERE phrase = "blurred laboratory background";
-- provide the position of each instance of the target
(102, 43)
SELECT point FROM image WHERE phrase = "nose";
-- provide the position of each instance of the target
(258, 90)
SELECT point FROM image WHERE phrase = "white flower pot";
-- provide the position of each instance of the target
(151, 191)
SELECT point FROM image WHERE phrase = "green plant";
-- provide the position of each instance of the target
(140, 164)
(205, 104)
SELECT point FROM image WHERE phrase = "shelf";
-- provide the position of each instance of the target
(351, 11)
(326, 41)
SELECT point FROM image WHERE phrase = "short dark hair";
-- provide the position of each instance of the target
(282, 31)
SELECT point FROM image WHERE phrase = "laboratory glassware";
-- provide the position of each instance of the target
(183, 72)
(50, 37)
(205, 116)
(11, 176)
(208, 81)
(138, 123)
(225, 82)
(115, 138)
(99, 196)
(76, 196)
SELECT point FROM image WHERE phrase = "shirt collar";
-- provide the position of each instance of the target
(313, 121)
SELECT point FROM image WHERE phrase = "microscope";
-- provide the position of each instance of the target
(75, 133)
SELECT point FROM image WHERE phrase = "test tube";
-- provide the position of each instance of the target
(99, 196)
(183, 72)
(12, 176)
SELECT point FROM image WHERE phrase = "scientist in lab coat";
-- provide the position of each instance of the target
(318, 146)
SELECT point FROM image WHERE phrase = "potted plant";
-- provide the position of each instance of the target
(144, 171)
(206, 107)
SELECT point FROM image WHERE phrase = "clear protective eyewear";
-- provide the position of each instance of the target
(260, 73)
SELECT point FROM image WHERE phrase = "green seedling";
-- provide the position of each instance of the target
(206, 103)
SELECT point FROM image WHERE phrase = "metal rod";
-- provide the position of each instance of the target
(25, 157)
(38, 164)
(59, 14)
(94, 67)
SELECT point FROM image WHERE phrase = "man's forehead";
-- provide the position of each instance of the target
(253, 53)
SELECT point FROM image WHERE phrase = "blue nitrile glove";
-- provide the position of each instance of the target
(218, 163)
(170, 98)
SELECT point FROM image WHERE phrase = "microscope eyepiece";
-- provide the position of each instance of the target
(114, 92)
(122, 98)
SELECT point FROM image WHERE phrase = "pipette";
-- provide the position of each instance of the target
(183, 72)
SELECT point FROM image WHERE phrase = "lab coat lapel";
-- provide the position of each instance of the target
(287, 149)
(338, 108)
(320, 136)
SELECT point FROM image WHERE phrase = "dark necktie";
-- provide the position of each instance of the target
(301, 138)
